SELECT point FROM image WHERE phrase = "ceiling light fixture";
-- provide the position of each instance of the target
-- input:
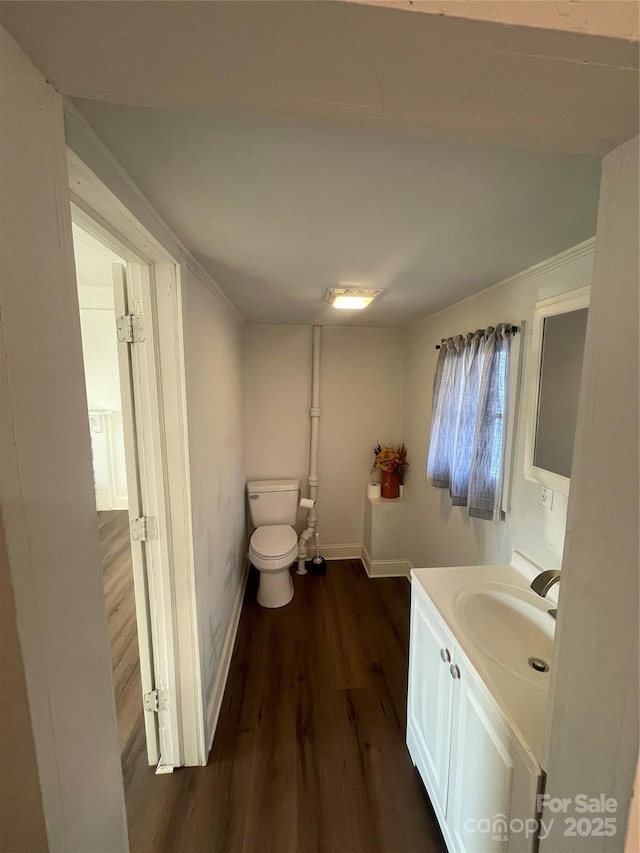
(350, 298)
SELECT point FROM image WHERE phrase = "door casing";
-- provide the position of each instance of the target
(159, 386)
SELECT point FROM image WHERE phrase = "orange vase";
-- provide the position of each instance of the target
(390, 484)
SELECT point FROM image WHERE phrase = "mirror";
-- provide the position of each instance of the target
(559, 333)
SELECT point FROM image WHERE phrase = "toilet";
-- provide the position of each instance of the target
(273, 507)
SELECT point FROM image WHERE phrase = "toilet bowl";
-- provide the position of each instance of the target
(273, 507)
(273, 550)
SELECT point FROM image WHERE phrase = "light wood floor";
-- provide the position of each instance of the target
(309, 754)
(123, 636)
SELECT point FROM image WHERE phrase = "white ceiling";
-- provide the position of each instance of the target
(436, 74)
(279, 209)
(295, 146)
(613, 18)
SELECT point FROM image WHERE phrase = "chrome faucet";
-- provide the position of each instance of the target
(543, 583)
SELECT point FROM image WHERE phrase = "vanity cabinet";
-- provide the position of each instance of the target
(477, 775)
(430, 700)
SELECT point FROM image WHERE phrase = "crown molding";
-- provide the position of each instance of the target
(568, 256)
(78, 127)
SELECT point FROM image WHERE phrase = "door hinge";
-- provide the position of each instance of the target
(144, 528)
(155, 700)
(151, 701)
(130, 328)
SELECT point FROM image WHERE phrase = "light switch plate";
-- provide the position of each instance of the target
(546, 498)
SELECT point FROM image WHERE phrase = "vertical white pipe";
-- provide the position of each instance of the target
(314, 481)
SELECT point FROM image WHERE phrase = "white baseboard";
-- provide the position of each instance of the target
(385, 568)
(214, 704)
(338, 552)
(112, 504)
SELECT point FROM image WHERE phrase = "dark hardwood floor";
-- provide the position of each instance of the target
(309, 753)
(123, 636)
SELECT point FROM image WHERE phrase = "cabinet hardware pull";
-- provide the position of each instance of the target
(454, 670)
(445, 655)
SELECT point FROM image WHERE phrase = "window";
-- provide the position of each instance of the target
(469, 420)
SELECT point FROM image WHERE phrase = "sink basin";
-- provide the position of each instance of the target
(511, 625)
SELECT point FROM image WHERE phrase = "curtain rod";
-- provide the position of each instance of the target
(511, 330)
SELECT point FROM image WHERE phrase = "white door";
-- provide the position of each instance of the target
(481, 771)
(429, 700)
(139, 551)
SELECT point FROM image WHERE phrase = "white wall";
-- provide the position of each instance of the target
(594, 693)
(439, 534)
(213, 361)
(632, 843)
(277, 373)
(22, 826)
(361, 381)
(47, 489)
(103, 401)
(101, 373)
(376, 385)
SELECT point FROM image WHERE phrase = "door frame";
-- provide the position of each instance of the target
(161, 369)
(148, 555)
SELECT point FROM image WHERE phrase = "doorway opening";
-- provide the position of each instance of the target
(147, 287)
(112, 430)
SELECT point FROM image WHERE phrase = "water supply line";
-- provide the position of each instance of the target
(308, 533)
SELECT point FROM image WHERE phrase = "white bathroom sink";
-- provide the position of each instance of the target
(498, 624)
(511, 625)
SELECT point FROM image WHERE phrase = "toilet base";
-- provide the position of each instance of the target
(275, 589)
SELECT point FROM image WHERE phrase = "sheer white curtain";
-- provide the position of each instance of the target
(468, 423)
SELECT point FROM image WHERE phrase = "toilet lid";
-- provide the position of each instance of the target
(274, 540)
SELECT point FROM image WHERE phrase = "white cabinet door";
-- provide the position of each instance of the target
(430, 700)
(481, 771)
(482, 785)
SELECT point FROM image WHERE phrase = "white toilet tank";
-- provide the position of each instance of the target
(273, 501)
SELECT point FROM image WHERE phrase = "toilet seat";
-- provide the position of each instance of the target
(273, 542)
(272, 549)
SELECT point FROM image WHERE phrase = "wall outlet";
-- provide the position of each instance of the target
(546, 498)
